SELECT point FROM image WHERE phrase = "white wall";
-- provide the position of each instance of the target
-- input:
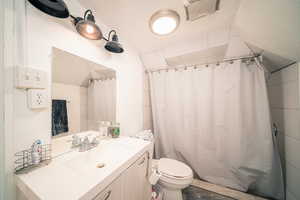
(45, 32)
(284, 99)
(83, 109)
(2, 101)
(76, 98)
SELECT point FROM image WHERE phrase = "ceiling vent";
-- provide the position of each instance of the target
(196, 9)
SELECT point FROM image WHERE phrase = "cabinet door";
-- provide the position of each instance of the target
(112, 192)
(135, 181)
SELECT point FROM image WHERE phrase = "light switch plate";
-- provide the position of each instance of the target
(27, 78)
(37, 98)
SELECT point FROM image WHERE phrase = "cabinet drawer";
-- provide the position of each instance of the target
(112, 192)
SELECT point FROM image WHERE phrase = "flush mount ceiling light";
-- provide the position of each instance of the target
(164, 22)
(87, 27)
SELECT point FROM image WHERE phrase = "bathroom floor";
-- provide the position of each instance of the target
(196, 193)
(202, 190)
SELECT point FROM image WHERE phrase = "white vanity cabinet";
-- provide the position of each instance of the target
(112, 192)
(135, 182)
(76, 175)
(131, 185)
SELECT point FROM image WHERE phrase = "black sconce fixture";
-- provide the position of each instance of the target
(113, 45)
(55, 8)
(85, 26)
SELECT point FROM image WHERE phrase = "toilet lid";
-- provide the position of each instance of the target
(174, 168)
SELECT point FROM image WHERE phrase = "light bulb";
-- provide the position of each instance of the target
(90, 29)
(164, 25)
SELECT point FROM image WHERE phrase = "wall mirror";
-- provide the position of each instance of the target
(83, 95)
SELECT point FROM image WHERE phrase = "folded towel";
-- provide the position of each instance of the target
(145, 135)
(59, 117)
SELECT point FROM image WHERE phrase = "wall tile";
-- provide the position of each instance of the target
(290, 196)
(291, 95)
(283, 88)
(287, 121)
(293, 180)
(291, 119)
(286, 75)
(284, 95)
(278, 118)
(281, 147)
(292, 151)
(276, 96)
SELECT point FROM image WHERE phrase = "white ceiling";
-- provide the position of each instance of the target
(131, 19)
(209, 55)
(74, 70)
(270, 26)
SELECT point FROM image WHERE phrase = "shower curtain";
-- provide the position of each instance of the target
(101, 102)
(217, 120)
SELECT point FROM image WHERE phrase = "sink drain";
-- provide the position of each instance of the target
(100, 165)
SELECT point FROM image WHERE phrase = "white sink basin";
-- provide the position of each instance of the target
(106, 153)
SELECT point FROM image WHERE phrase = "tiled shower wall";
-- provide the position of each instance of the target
(148, 122)
(283, 89)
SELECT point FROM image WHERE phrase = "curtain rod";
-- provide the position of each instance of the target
(210, 63)
(283, 67)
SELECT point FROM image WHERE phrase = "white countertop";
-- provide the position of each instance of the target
(74, 175)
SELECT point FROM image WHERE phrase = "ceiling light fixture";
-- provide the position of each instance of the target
(87, 27)
(55, 8)
(164, 22)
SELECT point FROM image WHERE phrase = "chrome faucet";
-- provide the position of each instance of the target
(84, 144)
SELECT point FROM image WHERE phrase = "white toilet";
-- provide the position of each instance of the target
(175, 176)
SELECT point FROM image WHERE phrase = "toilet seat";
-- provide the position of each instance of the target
(173, 177)
(174, 170)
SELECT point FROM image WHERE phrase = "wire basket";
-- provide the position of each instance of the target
(24, 163)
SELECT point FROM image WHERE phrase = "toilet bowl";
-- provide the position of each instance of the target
(174, 176)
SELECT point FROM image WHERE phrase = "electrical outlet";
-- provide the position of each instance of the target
(37, 98)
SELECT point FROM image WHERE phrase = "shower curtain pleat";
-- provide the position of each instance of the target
(217, 120)
(101, 102)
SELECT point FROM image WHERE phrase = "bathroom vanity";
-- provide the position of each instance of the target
(117, 169)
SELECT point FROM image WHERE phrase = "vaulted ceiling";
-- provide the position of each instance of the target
(64, 65)
(131, 19)
(271, 26)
